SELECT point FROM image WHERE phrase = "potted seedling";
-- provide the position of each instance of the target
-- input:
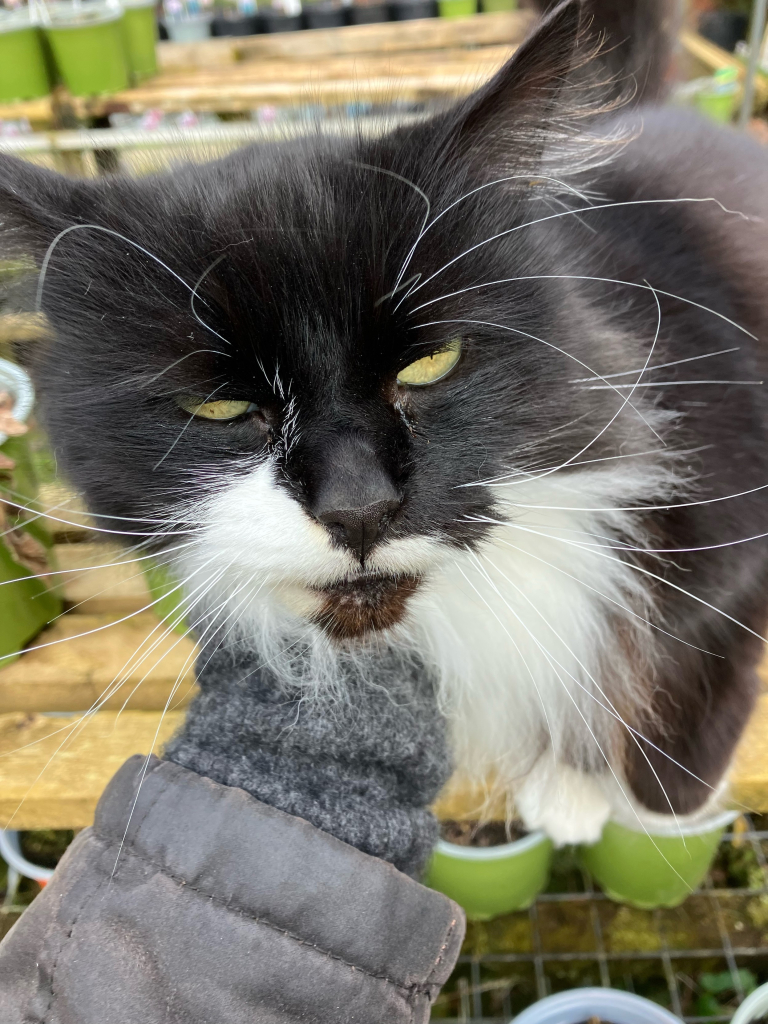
(186, 21)
(23, 70)
(600, 1005)
(410, 10)
(239, 19)
(87, 44)
(368, 12)
(456, 8)
(26, 603)
(655, 868)
(139, 27)
(284, 16)
(325, 14)
(489, 868)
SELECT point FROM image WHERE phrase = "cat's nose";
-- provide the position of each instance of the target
(359, 528)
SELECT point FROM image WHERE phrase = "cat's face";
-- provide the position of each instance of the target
(283, 360)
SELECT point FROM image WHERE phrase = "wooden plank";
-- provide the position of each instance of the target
(508, 28)
(90, 656)
(52, 772)
(100, 577)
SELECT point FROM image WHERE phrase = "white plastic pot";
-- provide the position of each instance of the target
(609, 1004)
(753, 1007)
(16, 382)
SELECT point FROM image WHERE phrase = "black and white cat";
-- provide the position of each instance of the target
(487, 387)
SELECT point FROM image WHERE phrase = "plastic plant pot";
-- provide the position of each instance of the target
(192, 29)
(23, 71)
(325, 14)
(656, 870)
(87, 44)
(719, 98)
(456, 8)
(754, 1007)
(607, 1004)
(236, 25)
(411, 10)
(368, 12)
(167, 595)
(496, 6)
(276, 20)
(26, 604)
(492, 880)
(139, 37)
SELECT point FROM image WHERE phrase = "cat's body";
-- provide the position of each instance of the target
(529, 525)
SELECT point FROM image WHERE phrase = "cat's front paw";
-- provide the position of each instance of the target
(569, 805)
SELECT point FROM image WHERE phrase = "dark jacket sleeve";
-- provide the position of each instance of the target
(194, 903)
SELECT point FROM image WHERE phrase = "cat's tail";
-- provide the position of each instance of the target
(636, 40)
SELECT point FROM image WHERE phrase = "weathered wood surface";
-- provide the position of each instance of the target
(54, 768)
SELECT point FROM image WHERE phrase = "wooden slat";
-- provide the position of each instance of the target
(131, 659)
(100, 578)
(507, 29)
(52, 773)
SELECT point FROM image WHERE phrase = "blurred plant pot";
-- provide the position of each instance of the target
(236, 25)
(192, 29)
(26, 603)
(87, 44)
(325, 14)
(495, 6)
(492, 880)
(140, 36)
(168, 596)
(719, 96)
(368, 12)
(456, 8)
(754, 1007)
(725, 28)
(411, 10)
(656, 870)
(23, 70)
(605, 1004)
(276, 20)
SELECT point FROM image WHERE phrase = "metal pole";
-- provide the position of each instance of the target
(755, 41)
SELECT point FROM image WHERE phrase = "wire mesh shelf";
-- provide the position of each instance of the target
(699, 960)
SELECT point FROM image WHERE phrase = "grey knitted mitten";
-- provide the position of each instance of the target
(365, 770)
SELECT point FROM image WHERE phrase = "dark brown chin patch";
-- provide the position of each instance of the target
(358, 607)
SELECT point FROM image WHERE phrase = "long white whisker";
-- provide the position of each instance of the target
(661, 366)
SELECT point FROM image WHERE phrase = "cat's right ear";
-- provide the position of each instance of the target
(509, 119)
(37, 204)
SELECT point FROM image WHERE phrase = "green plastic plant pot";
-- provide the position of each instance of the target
(23, 71)
(456, 8)
(495, 6)
(492, 880)
(139, 38)
(87, 45)
(168, 596)
(657, 870)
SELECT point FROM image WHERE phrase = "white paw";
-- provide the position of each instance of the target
(567, 804)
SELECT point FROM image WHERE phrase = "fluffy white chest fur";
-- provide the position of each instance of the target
(540, 640)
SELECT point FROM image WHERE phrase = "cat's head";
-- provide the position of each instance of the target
(292, 365)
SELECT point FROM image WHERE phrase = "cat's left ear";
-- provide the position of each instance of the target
(514, 108)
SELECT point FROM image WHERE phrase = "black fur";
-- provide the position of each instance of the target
(297, 248)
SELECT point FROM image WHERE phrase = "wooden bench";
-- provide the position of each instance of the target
(54, 764)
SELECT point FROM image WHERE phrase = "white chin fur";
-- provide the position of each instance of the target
(523, 636)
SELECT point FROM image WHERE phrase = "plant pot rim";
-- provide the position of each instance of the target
(552, 1010)
(65, 14)
(482, 853)
(17, 20)
(673, 831)
(755, 1003)
(137, 3)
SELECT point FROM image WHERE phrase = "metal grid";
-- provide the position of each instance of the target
(574, 935)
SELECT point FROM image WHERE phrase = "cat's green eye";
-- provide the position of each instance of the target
(431, 369)
(226, 409)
